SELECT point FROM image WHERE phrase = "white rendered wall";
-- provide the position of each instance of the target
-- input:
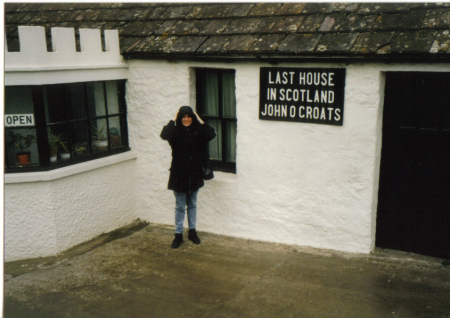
(45, 218)
(297, 183)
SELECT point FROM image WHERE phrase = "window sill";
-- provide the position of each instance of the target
(69, 170)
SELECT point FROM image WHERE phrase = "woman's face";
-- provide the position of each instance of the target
(186, 120)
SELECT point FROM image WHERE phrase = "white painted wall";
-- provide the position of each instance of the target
(48, 217)
(296, 183)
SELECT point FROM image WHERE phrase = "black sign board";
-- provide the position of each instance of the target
(309, 95)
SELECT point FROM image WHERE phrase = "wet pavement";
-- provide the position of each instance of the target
(133, 272)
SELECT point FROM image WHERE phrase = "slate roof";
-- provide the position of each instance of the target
(253, 30)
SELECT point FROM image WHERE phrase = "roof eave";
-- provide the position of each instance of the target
(280, 58)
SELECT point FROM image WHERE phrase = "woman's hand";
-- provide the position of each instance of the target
(198, 118)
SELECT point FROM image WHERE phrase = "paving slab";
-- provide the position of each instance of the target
(133, 272)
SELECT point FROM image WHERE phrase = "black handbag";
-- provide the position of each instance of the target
(207, 169)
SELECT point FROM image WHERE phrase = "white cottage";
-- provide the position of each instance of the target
(333, 121)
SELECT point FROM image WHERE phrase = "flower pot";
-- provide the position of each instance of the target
(53, 154)
(23, 158)
(65, 156)
(101, 145)
(115, 141)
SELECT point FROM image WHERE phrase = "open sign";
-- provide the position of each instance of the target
(15, 120)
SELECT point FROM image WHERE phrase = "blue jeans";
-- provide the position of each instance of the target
(182, 200)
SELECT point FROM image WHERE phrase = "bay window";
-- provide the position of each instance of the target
(62, 124)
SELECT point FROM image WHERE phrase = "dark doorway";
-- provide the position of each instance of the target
(414, 193)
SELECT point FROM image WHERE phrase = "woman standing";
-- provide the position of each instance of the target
(188, 136)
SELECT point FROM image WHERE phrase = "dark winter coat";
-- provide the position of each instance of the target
(188, 151)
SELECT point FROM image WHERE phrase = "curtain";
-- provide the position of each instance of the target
(215, 145)
(229, 96)
(211, 94)
(231, 144)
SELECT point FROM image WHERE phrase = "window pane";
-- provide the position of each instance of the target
(231, 142)
(112, 98)
(56, 103)
(80, 145)
(99, 136)
(18, 100)
(96, 99)
(228, 95)
(77, 100)
(115, 132)
(210, 94)
(21, 147)
(215, 145)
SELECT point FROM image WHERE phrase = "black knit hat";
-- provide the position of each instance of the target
(186, 110)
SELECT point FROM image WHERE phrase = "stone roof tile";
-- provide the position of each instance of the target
(156, 13)
(291, 8)
(377, 8)
(20, 17)
(267, 43)
(321, 7)
(271, 25)
(129, 44)
(442, 43)
(289, 25)
(129, 14)
(139, 28)
(299, 43)
(355, 22)
(176, 12)
(165, 27)
(237, 43)
(15, 7)
(241, 26)
(156, 44)
(213, 27)
(183, 27)
(439, 18)
(332, 22)
(413, 41)
(371, 42)
(411, 20)
(312, 23)
(264, 9)
(213, 44)
(145, 14)
(187, 44)
(337, 42)
(344, 7)
(237, 10)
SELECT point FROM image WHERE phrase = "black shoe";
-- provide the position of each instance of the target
(178, 240)
(193, 237)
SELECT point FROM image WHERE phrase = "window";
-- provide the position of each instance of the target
(216, 104)
(52, 126)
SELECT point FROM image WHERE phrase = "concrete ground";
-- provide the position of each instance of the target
(133, 272)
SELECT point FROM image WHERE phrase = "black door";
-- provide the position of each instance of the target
(414, 193)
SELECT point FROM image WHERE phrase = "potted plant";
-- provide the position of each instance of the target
(54, 142)
(114, 137)
(100, 138)
(21, 142)
(80, 148)
(65, 153)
